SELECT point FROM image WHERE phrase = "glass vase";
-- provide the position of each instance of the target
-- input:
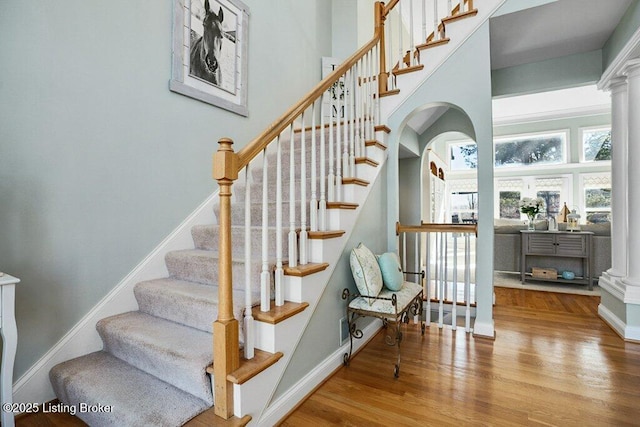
(530, 225)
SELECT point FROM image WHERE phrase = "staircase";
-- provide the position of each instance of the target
(279, 238)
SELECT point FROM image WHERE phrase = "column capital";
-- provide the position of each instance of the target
(617, 84)
(632, 68)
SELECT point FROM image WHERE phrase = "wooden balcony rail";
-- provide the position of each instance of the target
(435, 252)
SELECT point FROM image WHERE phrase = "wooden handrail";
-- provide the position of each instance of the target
(256, 146)
(433, 227)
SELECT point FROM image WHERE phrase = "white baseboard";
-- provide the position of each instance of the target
(299, 391)
(612, 320)
(34, 385)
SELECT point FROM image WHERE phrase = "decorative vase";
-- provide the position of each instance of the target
(530, 225)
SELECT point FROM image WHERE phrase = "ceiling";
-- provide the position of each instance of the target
(552, 30)
(556, 29)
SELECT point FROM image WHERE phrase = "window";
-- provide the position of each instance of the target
(596, 144)
(509, 204)
(597, 198)
(530, 150)
(554, 190)
(463, 156)
(464, 207)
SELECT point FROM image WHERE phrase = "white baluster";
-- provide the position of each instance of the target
(436, 33)
(331, 178)
(411, 41)
(279, 273)
(400, 30)
(293, 238)
(427, 288)
(373, 80)
(361, 110)
(449, 8)
(322, 207)
(390, 51)
(424, 19)
(404, 252)
(313, 203)
(248, 315)
(302, 250)
(454, 305)
(265, 286)
(352, 122)
(446, 268)
(338, 190)
(345, 128)
(441, 257)
(467, 282)
(376, 89)
(461, 9)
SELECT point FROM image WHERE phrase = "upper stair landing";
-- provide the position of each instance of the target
(457, 33)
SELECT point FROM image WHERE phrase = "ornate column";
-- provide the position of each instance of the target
(633, 236)
(619, 183)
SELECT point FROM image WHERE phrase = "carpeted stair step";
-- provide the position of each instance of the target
(189, 303)
(176, 354)
(207, 237)
(135, 397)
(237, 213)
(196, 265)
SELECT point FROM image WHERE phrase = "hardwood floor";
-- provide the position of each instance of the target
(553, 362)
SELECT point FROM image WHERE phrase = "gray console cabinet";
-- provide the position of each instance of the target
(558, 245)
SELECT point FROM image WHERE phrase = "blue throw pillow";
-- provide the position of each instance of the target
(391, 271)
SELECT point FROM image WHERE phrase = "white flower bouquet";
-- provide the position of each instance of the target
(531, 207)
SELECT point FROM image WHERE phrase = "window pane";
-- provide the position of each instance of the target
(464, 156)
(597, 145)
(534, 150)
(597, 198)
(598, 217)
(509, 204)
(464, 201)
(551, 201)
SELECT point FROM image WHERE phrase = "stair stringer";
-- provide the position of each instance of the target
(458, 32)
(253, 397)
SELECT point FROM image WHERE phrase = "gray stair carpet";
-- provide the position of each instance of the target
(152, 369)
(133, 397)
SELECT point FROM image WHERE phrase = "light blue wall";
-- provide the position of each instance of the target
(628, 26)
(472, 94)
(321, 337)
(99, 161)
(558, 73)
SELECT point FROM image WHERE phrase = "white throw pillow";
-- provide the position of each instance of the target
(366, 271)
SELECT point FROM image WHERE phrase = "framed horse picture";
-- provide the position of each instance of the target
(210, 52)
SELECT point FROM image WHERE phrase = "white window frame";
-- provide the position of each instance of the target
(458, 143)
(566, 148)
(529, 188)
(581, 132)
(605, 178)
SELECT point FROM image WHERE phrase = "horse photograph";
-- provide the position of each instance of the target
(213, 44)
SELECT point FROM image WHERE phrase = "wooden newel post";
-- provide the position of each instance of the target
(380, 17)
(226, 356)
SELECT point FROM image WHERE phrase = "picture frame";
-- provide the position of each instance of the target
(209, 53)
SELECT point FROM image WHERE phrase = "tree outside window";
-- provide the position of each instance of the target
(596, 144)
(530, 150)
(509, 204)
